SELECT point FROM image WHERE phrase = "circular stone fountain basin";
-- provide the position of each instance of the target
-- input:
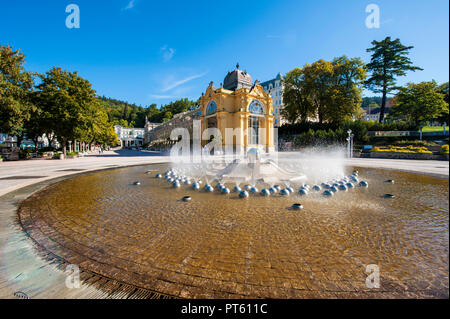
(224, 246)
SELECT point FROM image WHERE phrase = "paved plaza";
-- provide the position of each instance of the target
(14, 175)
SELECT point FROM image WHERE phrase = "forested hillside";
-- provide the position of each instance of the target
(132, 115)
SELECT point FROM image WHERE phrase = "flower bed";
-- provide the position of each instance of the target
(402, 149)
(405, 152)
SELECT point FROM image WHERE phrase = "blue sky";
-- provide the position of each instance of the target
(145, 51)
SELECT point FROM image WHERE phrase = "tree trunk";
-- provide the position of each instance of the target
(383, 99)
(64, 148)
(383, 105)
(36, 144)
(320, 116)
(20, 139)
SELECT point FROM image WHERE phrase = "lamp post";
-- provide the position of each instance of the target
(350, 144)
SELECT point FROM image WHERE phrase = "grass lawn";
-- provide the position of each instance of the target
(434, 129)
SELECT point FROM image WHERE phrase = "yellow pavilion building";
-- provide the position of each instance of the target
(243, 106)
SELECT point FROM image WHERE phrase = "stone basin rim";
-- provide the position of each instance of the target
(43, 184)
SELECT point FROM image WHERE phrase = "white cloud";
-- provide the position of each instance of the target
(130, 5)
(175, 84)
(167, 53)
(161, 97)
(288, 39)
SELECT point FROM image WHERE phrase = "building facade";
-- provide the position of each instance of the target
(275, 88)
(240, 105)
(130, 136)
(373, 113)
(135, 137)
(160, 134)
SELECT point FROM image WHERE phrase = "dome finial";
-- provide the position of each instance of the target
(237, 65)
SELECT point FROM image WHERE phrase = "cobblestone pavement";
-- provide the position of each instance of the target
(14, 175)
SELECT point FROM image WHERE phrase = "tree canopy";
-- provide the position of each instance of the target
(419, 103)
(328, 91)
(70, 109)
(131, 115)
(370, 100)
(64, 107)
(389, 60)
(15, 87)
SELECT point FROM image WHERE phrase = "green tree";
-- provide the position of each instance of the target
(167, 116)
(67, 101)
(366, 101)
(389, 60)
(318, 80)
(373, 106)
(15, 87)
(330, 91)
(178, 106)
(419, 103)
(297, 104)
(36, 125)
(101, 131)
(123, 123)
(345, 89)
(444, 88)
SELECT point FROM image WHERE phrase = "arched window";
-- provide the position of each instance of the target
(256, 107)
(253, 125)
(211, 108)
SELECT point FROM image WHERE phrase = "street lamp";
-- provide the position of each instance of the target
(350, 144)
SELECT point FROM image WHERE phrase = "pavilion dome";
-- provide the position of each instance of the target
(237, 79)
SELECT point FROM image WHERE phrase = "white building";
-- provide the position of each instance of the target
(373, 114)
(130, 136)
(275, 88)
(135, 137)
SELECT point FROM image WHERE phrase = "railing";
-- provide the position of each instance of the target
(162, 132)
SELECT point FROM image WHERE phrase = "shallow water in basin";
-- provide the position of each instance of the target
(222, 246)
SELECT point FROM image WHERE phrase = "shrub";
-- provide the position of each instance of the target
(445, 149)
(47, 149)
(413, 142)
(337, 132)
(25, 154)
(71, 154)
(394, 126)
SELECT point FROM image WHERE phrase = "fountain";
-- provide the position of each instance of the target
(270, 171)
(249, 226)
